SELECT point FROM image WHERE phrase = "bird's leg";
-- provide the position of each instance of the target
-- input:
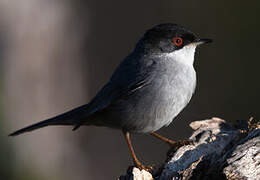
(136, 161)
(175, 144)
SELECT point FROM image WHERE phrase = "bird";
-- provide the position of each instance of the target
(148, 89)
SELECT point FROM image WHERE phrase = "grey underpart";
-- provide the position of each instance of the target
(160, 97)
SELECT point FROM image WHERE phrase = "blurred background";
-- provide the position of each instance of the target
(56, 54)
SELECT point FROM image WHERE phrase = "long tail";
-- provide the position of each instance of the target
(33, 127)
(68, 118)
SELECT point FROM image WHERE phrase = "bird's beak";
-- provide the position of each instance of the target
(202, 41)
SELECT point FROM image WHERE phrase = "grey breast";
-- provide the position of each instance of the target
(168, 89)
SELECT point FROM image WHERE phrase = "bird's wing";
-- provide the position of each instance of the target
(126, 80)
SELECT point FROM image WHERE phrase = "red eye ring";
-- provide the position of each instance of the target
(177, 41)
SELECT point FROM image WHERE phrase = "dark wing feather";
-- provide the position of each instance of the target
(126, 80)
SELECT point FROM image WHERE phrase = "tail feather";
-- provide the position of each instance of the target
(69, 118)
(33, 127)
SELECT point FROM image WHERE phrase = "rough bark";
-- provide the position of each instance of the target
(220, 150)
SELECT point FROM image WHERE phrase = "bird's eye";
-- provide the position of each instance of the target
(177, 41)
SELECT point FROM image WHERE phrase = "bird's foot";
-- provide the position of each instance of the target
(172, 143)
(146, 168)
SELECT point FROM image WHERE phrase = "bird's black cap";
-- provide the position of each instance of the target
(167, 38)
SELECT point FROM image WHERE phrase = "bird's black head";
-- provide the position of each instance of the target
(166, 38)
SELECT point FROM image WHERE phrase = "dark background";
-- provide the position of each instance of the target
(56, 54)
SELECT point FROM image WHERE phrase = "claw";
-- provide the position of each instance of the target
(146, 168)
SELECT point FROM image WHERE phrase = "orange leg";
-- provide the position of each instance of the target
(136, 161)
(171, 142)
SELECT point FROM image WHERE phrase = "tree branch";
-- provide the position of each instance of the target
(220, 151)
